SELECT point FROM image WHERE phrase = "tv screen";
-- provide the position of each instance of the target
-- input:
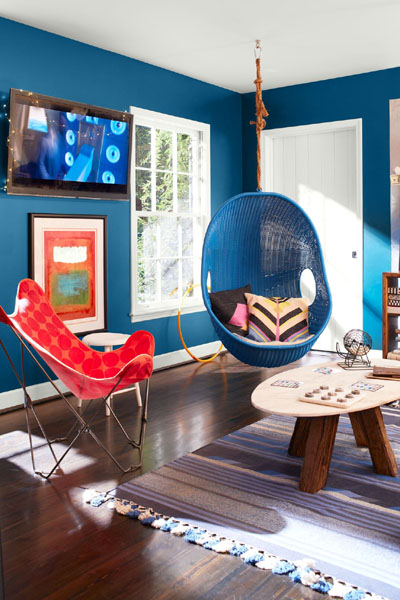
(63, 148)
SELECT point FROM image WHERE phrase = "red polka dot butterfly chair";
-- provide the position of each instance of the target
(87, 373)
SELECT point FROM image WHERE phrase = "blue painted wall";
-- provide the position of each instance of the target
(48, 64)
(363, 96)
(53, 65)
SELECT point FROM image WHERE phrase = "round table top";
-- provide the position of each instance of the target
(285, 401)
(105, 338)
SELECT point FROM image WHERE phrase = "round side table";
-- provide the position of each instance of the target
(108, 340)
(315, 429)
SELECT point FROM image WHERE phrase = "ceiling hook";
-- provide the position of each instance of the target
(258, 49)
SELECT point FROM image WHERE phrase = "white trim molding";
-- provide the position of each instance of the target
(201, 213)
(167, 312)
(179, 357)
(13, 399)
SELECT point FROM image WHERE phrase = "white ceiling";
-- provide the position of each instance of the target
(213, 40)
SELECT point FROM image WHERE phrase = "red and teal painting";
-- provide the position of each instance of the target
(70, 273)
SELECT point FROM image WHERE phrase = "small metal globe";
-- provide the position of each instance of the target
(357, 342)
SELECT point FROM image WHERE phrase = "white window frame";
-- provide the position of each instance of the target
(150, 118)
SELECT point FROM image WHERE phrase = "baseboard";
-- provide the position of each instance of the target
(371, 353)
(179, 357)
(14, 399)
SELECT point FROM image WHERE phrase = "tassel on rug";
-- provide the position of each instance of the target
(300, 571)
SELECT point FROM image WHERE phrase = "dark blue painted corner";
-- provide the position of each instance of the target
(56, 66)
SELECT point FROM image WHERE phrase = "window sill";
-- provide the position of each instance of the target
(170, 312)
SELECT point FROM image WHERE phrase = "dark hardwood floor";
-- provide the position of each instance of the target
(55, 547)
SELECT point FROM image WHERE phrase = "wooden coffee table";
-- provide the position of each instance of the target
(315, 429)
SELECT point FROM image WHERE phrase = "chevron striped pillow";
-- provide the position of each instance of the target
(277, 319)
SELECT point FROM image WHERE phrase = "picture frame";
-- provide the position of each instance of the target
(68, 259)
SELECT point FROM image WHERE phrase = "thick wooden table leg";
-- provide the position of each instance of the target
(299, 437)
(318, 453)
(358, 429)
(379, 446)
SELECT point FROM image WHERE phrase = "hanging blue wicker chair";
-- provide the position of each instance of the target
(265, 240)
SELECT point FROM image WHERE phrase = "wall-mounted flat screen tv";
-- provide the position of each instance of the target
(63, 148)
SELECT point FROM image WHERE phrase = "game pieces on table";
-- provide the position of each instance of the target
(330, 395)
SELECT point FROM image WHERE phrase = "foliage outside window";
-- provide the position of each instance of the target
(170, 211)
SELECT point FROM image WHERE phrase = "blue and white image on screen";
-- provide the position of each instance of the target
(37, 120)
(58, 145)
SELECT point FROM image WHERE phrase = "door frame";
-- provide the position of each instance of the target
(269, 135)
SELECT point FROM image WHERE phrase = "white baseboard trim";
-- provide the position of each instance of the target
(179, 357)
(13, 399)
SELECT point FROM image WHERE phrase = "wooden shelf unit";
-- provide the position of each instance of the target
(390, 315)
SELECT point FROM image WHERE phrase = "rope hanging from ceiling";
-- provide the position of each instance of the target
(261, 111)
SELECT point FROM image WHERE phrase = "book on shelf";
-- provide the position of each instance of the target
(393, 355)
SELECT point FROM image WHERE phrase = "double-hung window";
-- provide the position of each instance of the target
(170, 203)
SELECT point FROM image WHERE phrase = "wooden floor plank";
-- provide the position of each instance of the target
(56, 548)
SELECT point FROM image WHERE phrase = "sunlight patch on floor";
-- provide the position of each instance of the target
(15, 449)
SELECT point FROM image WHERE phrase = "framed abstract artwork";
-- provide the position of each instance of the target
(68, 258)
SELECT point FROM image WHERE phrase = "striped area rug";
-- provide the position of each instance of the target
(245, 486)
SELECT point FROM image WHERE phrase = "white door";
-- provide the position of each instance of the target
(319, 166)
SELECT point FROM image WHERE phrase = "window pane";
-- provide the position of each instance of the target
(163, 149)
(169, 237)
(187, 236)
(187, 275)
(164, 191)
(147, 281)
(184, 143)
(169, 183)
(184, 193)
(169, 279)
(143, 146)
(147, 237)
(143, 190)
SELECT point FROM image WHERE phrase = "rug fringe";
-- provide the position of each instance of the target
(300, 571)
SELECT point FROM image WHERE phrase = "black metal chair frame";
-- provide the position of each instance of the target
(84, 426)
